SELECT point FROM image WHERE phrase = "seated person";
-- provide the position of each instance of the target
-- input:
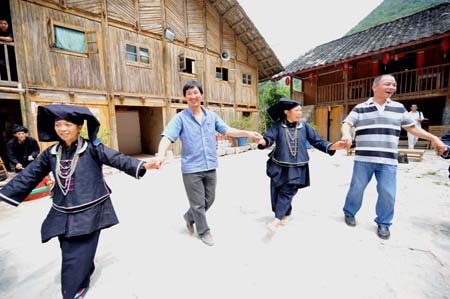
(21, 148)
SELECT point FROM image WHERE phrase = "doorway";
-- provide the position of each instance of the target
(139, 129)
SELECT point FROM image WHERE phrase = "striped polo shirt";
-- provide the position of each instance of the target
(377, 130)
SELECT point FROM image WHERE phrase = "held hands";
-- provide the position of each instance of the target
(19, 166)
(439, 147)
(339, 145)
(255, 135)
(30, 158)
(154, 163)
(347, 139)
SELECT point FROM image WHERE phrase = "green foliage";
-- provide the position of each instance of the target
(245, 123)
(103, 134)
(390, 10)
(269, 93)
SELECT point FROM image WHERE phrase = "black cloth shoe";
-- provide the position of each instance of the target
(383, 232)
(81, 292)
(350, 220)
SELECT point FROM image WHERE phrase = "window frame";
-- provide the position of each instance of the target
(87, 40)
(183, 65)
(247, 79)
(230, 74)
(139, 62)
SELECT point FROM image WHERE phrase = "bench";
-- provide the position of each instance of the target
(412, 153)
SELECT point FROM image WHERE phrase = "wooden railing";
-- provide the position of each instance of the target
(330, 93)
(7, 63)
(433, 79)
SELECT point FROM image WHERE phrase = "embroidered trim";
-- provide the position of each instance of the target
(10, 200)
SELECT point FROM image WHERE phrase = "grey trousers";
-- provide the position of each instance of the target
(201, 192)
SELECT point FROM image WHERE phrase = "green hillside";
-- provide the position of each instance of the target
(390, 10)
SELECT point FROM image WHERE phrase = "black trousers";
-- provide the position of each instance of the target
(281, 199)
(77, 262)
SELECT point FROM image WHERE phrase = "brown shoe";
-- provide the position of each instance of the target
(189, 224)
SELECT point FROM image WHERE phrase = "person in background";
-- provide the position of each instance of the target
(417, 116)
(21, 149)
(378, 122)
(81, 205)
(197, 127)
(446, 154)
(6, 36)
(287, 166)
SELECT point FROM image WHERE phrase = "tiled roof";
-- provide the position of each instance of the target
(427, 23)
(246, 31)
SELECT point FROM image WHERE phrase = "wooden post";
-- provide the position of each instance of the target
(21, 65)
(345, 77)
(446, 112)
(108, 77)
(165, 58)
(205, 53)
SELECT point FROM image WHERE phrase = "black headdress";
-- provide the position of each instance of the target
(276, 111)
(18, 128)
(47, 115)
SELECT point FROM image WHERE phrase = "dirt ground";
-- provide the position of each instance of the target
(151, 255)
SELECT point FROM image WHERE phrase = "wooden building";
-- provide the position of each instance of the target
(338, 75)
(127, 60)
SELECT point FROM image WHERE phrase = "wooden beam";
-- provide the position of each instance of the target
(242, 20)
(229, 10)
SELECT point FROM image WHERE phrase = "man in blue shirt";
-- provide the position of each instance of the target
(197, 127)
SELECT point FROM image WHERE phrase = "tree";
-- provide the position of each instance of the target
(269, 93)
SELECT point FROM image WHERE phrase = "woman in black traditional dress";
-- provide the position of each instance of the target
(81, 199)
(287, 166)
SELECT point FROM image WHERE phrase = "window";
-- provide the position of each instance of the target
(297, 84)
(72, 39)
(186, 65)
(224, 74)
(137, 55)
(247, 79)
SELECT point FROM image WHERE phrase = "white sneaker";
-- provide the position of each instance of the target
(207, 238)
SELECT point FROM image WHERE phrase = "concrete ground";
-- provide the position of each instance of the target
(151, 255)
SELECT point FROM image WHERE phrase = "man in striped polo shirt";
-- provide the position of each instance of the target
(378, 122)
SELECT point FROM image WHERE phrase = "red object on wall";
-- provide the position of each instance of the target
(287, 80)
(345, 67)
(375, 68)
(399, 56)
(445, 44)
(420, 59)
(312, 76)
(385, 58)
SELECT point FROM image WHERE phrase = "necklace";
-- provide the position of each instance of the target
(66, 168)
(292, 139)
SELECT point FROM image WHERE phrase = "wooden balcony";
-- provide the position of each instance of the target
(8, 70)
(423, 82)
